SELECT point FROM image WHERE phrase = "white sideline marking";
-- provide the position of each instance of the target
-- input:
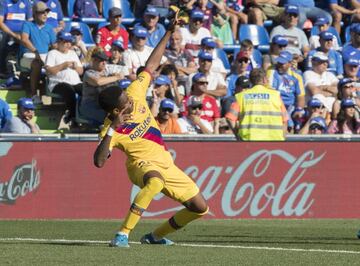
(179, 244)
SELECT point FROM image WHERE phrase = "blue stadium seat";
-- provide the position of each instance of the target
(70, 10)
(124, 5)
(257, 34)
(223, 57)
(87, 36)
(315, 31)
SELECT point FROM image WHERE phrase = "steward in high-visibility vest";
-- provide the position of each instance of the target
(262, 114)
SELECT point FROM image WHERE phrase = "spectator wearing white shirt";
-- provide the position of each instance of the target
(208, 44)
(321, 83)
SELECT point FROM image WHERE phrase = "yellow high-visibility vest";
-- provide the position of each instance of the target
(261, 115)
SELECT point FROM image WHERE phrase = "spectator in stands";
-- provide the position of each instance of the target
(254, 55)
(278, 44)
(241, 69)
(260, 118)
(346, 90)
(177, 91)
(139, 53)
(22, 123)
(192, 122)
(166, 121)
(206, 7)
(64, 68)
(351, 69)
(86, 9)
(296, 37)
(78, 44)
(262, 10)
(220, 26)
(210, 110)
(339, 11)
(216, 83)
(288, 86)
(346, 122)
(155, 29)
(5, 113)
(95, 79)
(237, 16)
(321, 83)
(112, 32)
(13, 14)
(180, 57)
(193, 33)
(36, 38)
(323, 24)
(308, 10)
(209, 45)
(162, 7)
(160, 92)
(314, 126)
(117, 54)
(124, 84)
(335, 64)
(55, 15)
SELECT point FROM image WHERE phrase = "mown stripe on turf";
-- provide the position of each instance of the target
(42, 240)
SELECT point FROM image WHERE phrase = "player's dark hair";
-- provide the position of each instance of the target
(257, 76)
(109, 98)
(139, 70)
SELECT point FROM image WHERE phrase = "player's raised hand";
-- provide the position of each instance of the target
(174, 20)
(122, 117)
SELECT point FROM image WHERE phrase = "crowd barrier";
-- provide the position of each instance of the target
(54, 178)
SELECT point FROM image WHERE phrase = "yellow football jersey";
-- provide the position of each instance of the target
(140, 138)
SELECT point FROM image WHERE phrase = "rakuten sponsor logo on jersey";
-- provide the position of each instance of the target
(140, 129)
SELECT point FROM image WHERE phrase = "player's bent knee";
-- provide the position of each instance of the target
(152, 174)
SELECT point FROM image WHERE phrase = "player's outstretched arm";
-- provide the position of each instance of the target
(153, 61)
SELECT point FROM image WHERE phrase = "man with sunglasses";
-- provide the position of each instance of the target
(36, 39)
(314, 126)
(241, 70)
(297, 41)
(192, 123)
(112, 32)
(351, 68)
(166, 121)
(22, 123)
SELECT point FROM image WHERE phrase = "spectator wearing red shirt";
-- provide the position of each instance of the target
(210, 110)
(112, 32)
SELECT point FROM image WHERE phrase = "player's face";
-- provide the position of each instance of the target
(126, 102)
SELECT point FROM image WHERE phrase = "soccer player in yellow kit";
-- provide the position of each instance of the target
(131, 128)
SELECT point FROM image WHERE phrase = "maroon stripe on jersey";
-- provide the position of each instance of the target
(126, 128)
(154, 135)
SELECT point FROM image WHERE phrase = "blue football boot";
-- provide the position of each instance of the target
(149, 239)
(120, 241)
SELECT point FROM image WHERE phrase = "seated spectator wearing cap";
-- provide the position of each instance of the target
(138, 54)
(210, 110)
(180, 57)
(166, 121)
(308, 10)
(162, 6)
(124, 84)
(193, 33)
(177, 90)
(346, 90)
(335, 62)
(22, 123)
(313, 109)
(352, 48)
(63, 68)
(13, 14)
(151, 22)
(117, 54)
(250, 52)
(321, 83)
(78, 44)
(323, 24)
(351, 68)
(55, 15)
(220, 26)
(217, 84)
(112, 32)
(259, 11)
(297, 40)
(209, 45)
(5, 113)
(278, 44)
(96, 78)
(315, 126)
(86, 9)
(192, 122)
(241, 69)
(291, 95)
(339, 10)
(160, 91)
(346, 122)
(36, 38)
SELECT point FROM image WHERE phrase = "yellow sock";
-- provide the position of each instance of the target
(179, 220)
(141, 202)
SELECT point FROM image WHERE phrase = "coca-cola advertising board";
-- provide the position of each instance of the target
(57, 180)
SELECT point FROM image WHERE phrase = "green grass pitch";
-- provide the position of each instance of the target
(205, 242)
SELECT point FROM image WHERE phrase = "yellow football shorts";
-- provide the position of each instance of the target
(178, 185)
